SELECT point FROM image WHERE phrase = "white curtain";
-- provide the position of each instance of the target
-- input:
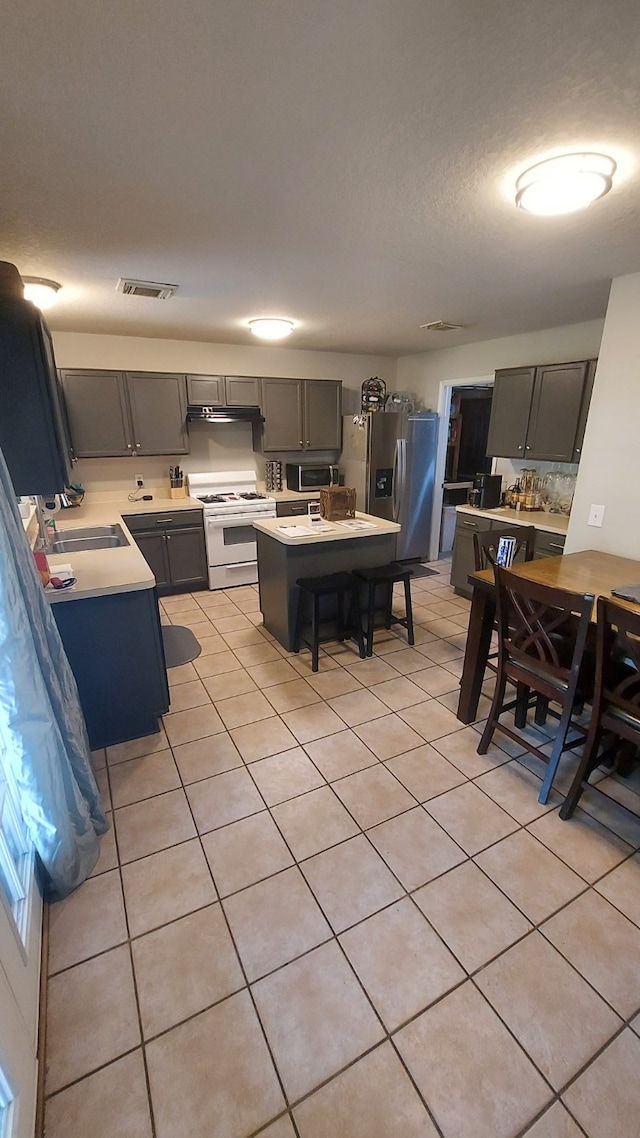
(43, 740)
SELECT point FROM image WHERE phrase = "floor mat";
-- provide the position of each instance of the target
(180, 645)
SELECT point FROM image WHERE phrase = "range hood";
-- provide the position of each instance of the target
(199, 414)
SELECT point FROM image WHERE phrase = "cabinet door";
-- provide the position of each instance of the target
(548, 544)
(282, 410)
(555, 410)
(97, 413)
(463, 559)
(322, 415)
(205, 390)
(158, 413)
(242, 391)
(584, 409)
(187, 558)
(510, 406)
(153, 547)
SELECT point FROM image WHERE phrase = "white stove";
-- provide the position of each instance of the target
(230, 502)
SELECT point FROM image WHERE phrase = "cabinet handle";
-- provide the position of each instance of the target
(138, 445)
(519, 446)
(301, 443)
(577, 450)
(308, 443)
(163, 521)
(528, 448)
(129, 447)
(168, 537)
(555, 545)
(474, 525)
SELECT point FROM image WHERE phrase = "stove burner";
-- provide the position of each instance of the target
(208, 498)
(253, 496)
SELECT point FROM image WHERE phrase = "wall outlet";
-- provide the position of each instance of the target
(596, 516)
(139, 482)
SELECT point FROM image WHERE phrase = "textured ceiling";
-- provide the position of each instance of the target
(342, 162)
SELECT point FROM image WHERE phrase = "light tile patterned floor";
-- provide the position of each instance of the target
(321, 913)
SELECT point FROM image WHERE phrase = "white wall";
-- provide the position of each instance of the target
(609, 472)
(423, 373)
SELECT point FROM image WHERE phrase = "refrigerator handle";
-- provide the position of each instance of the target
(399, 476)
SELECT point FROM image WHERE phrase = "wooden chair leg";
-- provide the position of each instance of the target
(522, 706)
(409, 613)
(556, 754)
(542, 710)
(315, 633)
(492, 721)
(587, 764)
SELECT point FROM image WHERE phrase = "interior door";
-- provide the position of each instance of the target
(20, 944)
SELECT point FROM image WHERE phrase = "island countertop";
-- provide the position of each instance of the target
(277, 528)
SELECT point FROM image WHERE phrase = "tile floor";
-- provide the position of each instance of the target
(320, 913)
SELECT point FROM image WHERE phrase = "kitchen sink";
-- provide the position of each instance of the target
(86, 538)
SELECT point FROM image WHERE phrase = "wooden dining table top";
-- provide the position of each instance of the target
(589, 571)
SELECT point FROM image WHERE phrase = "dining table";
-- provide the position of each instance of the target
(589, 571)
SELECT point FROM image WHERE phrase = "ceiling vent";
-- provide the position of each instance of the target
(145, 288)
(441, 326)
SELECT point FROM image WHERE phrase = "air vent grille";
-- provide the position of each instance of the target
(145, 288)
(441, 326)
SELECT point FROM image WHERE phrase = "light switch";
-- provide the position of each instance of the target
(596, 516)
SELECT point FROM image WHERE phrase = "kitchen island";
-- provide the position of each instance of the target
(284, 555)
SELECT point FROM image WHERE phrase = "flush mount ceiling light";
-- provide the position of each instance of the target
(271, 328)
(564, 184)
(40, 291)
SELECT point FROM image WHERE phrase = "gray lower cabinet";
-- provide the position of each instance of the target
(173, 546)
(114, 413)
(223, 391)
(292, 509)
(114, 647)
(548, 544)
(463, 559)
(302, 414)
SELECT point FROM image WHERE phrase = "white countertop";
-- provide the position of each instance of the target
(289, 495)
(552, 523)
(274, 528)
(100, 572)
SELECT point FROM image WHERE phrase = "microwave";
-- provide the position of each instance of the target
(311, 476)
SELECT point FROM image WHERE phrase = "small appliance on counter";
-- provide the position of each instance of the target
(273, 475)
(311, 476)
(487, 491)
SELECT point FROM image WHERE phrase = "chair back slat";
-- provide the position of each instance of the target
(533, 620)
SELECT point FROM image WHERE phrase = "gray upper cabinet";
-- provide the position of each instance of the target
(223, 391)
(510, 407)
(282, 407)
(302, 414)
(205, 390)
(114, 413)
(322, 414)
(158, 413)
(555, 409)
(97, 412)
(540, 413)
(242, 391)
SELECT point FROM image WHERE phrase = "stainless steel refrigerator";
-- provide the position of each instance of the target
(391, 460)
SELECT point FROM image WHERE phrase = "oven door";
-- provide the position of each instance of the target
(231, 541)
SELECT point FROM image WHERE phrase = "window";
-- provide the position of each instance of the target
(16, 861)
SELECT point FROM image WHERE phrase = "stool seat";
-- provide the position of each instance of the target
(330, 583)
(386, 576)
(338, 585)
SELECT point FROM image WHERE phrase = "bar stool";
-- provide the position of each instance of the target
(340, 586)
(387, 575)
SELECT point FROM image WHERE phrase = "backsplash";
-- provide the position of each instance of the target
(511, 468)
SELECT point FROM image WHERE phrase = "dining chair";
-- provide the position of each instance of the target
(485, 544)
(535, 654)
(616, 698)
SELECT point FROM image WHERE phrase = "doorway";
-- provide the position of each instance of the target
(464, 408)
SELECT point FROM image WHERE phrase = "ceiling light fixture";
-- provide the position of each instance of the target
(271, 328)
(564, 184)
(40, 291)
